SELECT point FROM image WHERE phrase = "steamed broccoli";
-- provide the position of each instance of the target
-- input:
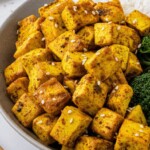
(141, 88)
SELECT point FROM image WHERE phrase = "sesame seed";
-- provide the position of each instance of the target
(141, 131)
(17, 32)
(69, 111)
(72, 41)
(138, 63)
(85, 11)
(43, 39)
(47, 73)
(136, 134)
(19, 23)
(39, 122)
(98, 82)
(109, 22)
(97, 53)
(102, 28)
(136, 52)
(42, 102)
(102, 115)
(71, 120)
(41, 92)
(74, 31)
(76, 81)
(141, 126)
(118, 28)
(66, 87)
(113, 91)
(83, 61)
(139, 46)
(75, 8)
(134, 21)
(58, 4)
(122, 22)
(116, 88)
(93, 12)
(116, 59)
(29, 38)
(106, 19)
(45, 5)
(53, 64)
(85, 49)
(56, 25)
(51, 18)
(97, 12)
(54, 99)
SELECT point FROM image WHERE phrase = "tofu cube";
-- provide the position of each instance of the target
(139, 21)
(52, 27)
(90, 94)
(122, 53)
(42, 126)
(14, 71)
(43, 71)
(71, 124)
(136, 114)
(52, 96)
(93, 143)
(79, 15)
(73, 63)
(120, 98)
(17, 88)
(102, 64)
(106, 123)
(133, 136)
(134, 67)
(87, 34)
(26, 109)
(55, 7)
(34, 41)
(108, 12)
(68, 41)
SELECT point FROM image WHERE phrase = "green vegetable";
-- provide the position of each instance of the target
(144, 52)
(141, 88)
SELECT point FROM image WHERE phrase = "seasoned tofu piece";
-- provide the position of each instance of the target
(71, 124)
(108, 12)
(73, 63)
(17, 88)
(26, 109)
(133, 136)
(68, 41)
(87, 34)
(42, 126)
(93, 143)
(13, 71)
(33, 41)
(117, 78)
(52, 27)
(52, 96)
(106, 123)
(134, 67)
(121, 52)
(43, 71)
(102, 64)
(55, 7)
(136, 114)
(120, 98)
(79, 15)
(139, 21)
(90, 94)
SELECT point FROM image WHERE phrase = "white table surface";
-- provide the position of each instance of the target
(9, 138)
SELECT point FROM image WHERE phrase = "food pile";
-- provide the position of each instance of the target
(78, 68)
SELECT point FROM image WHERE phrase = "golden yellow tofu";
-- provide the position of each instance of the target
(79, 15)
(120, 98)
(17, 88)
(93, 143)
(90, 94)
(102, 64)
(73, 63)
(55, 7)
(33, 41)
(52, 96)
(108, 12)
(106, 123)
(68, 41)
(133, 136)
(13, 71)
(26, 109)
(121, 52)
(134, 67)
(117, 78)
(66, 148)
(42, 126)
(87, 34)
(136, 114)
(52, 27)
(43, 71)
(70, 125)
(139, 21)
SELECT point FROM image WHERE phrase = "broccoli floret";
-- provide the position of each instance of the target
(141, 88)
